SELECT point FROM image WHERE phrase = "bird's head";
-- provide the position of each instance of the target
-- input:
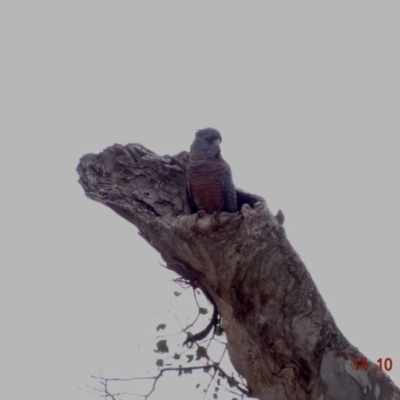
(207, 142)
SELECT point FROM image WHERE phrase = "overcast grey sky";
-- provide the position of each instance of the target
(306, 96)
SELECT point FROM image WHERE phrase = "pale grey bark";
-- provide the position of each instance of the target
(281, 337)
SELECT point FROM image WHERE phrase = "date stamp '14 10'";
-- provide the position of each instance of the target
(386, 364)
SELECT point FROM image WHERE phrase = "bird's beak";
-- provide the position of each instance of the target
(216, 147)
(217, 142)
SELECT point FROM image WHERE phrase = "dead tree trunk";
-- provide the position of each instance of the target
(281, 337)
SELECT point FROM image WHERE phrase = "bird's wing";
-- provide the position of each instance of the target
(229, 191)
(189, 195)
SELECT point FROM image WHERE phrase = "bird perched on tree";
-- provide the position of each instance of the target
(209, 180)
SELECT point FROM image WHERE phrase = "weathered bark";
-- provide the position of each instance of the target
(281, 337)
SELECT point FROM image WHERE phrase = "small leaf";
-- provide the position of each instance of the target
(160, 362)
(218, 330)
(177, 294)
(180, 370)
(161, 326)
(201, 352)
(231, 381)
(203, 311)
(198, 385)
(216, 389)
(207, 369)
(177, 356)
(189, 357)
(215, 396)
(162, 346)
